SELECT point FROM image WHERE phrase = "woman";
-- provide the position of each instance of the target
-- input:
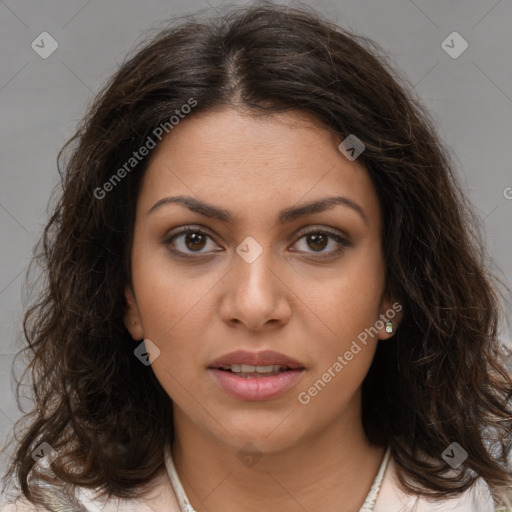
(265, 291)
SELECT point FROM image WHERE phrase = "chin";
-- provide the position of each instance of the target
(270, 434)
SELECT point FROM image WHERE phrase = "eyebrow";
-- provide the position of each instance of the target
(285, 215)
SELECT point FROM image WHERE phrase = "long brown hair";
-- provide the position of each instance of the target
(439, 380)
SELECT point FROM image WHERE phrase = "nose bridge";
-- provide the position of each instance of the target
(253, 272)
(255, 294)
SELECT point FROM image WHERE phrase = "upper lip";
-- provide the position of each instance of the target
(263, 358)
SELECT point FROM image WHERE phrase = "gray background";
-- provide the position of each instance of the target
(41, 100)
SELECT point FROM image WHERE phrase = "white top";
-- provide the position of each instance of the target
(168, 496)
(185, 506)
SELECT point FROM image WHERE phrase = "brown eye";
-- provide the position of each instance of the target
(195, 241)
(189, 241)
(317, 241)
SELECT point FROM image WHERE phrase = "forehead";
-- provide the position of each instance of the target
(240, 160)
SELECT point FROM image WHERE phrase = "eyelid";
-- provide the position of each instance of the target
(299, 233)
(183, 230)
(178, 230)
(323, 229)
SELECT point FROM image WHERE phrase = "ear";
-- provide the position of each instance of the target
(132, 320)
(390, 317)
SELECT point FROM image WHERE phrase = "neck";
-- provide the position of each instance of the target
(327, 468)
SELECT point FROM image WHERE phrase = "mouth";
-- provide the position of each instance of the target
(263, 362)
(248, 371)
(255, 376)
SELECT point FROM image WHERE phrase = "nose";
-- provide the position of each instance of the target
(256, 295)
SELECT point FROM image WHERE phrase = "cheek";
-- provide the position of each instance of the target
(350, 300)
(176, 321)
(349, 304)
(171, 299)
(345, 352)
(174, 317)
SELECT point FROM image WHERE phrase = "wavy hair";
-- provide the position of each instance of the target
(440, 379)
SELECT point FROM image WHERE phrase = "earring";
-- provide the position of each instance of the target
(389, 326)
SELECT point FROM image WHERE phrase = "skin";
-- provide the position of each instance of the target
(314, 456)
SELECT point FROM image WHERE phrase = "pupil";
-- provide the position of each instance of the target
(195, 238)
(316, 238)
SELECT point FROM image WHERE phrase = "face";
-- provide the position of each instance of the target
(257, 272)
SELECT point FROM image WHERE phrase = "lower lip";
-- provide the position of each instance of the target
(256, 388)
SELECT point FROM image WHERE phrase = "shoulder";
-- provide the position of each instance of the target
(161, 497)
(391, 497)
(21, 505)
(475, 499)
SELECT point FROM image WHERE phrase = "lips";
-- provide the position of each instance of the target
(263, 358)
(256, 388)
(255, 376)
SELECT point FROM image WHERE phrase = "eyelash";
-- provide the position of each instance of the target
(344, 243)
